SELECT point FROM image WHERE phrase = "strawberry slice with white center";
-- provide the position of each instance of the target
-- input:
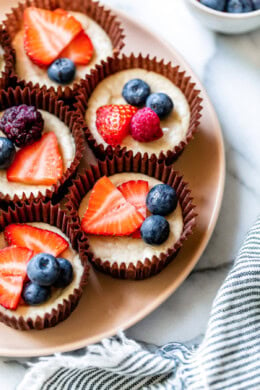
(108, 212)
(36, 239)
(10, 291)
(47, 34)
(14, 260)
(135, 192)
(39, 163)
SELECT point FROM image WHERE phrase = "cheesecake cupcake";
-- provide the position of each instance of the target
(41, 145)
(57, 43)
(134, 213)
(139, 105)
(6, 59)
(42, 270)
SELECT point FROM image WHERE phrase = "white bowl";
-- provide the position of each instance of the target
(224, 22)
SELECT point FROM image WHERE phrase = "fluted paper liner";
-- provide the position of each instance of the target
(129, 163)
(7, 58)
(50, 103)
(53, 215)
(173, 73)
(103, 16)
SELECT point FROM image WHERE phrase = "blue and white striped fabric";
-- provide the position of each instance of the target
(228, 358)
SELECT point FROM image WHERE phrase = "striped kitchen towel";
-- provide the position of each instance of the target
(228, 358)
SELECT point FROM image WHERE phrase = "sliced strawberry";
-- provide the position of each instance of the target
(113, 122)
(108, 213)
(80, 50)
(14, 260)
(38, 240)
(10, 291)
(39, 163)
(135, 192)
(61, 11)
(47, 33)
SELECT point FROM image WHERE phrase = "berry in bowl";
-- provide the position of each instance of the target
(227, 16)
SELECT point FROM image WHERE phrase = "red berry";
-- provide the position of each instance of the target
(145, 126)
(109, 213)
(113, 122)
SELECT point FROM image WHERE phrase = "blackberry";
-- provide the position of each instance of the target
(22, 124)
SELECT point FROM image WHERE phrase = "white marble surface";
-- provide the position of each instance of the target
(229, 68)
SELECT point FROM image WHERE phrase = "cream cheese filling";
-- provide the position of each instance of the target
(58, 295)
(67, 149)
(28, 71)
(175, 126)
(127, 249)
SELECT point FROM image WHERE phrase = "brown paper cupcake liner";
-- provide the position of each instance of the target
(129, 163)
(8, 58)
(53, 215)
(103, 16)
(50, 103)
(173, 73)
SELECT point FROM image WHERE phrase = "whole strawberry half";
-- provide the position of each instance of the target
(113, 122)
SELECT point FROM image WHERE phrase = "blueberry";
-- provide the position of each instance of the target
(161, 199)
(218, 5)
(62, 71)
(43, 269)
(7, 152)
(66, 273)
(256, 4)
(238, 6)
(136, 92)
(160, 103)
(33, 294)
(155, 230)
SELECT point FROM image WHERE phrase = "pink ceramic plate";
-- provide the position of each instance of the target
(108, 304)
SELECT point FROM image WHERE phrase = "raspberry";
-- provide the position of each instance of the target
(145, 126)
(22, 124)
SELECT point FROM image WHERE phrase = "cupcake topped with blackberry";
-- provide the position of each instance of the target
(140, 105)
(37, 148)
(56, 47)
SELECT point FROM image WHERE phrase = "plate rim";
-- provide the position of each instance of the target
(44, 351)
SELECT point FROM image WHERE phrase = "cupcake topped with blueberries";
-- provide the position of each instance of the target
(134, 222)
(41, 272)
(57, 47)
(151, 109)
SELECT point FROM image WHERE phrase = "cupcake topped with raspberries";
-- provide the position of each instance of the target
(57, 47)
(140, 105)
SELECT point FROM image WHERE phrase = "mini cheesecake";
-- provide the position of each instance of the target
(175, 126)
(67, 148)
(58, 295)
(60, 131)
(110, 205)
(38, 228)
(127, 250)
(86, 33)
(104, 91)
(28, 71)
